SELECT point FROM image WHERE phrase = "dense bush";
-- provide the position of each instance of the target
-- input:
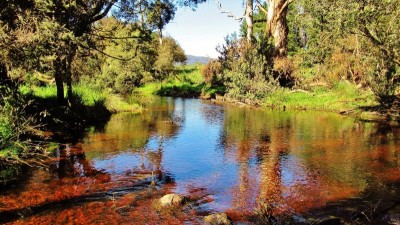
(15, 125)
(247, 72)
(212, 72)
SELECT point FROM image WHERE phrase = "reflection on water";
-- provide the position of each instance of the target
(234, 158)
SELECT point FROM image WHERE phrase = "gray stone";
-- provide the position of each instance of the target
(217, 219)
(172, 200)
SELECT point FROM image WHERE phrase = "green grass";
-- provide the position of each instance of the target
(88, 96)
(342, 97)
(188, 82)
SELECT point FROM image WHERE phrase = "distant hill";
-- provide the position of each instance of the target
(191, 59)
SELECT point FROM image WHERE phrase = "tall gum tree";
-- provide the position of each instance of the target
(276, 26)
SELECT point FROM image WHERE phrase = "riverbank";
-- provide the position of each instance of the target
(343, 97)
(29, 121)
(89, 105)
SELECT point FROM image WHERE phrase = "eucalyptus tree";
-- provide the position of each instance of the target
(161, 12)
(276, 23)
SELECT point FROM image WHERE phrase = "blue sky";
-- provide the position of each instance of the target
(200, 31)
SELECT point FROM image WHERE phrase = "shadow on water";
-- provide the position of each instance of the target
(303, 166)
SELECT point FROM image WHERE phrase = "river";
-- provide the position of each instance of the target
(294, 165)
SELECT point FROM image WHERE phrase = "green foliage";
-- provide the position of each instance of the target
(212, 71)
(168, 53)
(126, 59)
(136, 59)
(161, 12)
(351, 40)
(15, 125)
(333, 41)
(246, 70)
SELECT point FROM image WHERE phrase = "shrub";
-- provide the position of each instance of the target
(14, 124)
(384, 81)
(246, 69)
(284, 68)
(211, 72)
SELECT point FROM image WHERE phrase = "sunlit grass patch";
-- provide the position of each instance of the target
(85, 95)
(341, 97)
(187, 82)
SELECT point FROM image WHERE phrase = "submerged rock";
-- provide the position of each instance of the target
(172, 200)
(217, 219)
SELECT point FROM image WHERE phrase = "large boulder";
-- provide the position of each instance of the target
(217, 219)
(172, 200)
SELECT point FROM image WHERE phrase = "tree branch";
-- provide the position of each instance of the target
(113, 57)
(104, 13)
(117, 38)
(284, 6)
(229, 13)
(264, 10)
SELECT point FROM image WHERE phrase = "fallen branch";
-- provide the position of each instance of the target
(300, 90)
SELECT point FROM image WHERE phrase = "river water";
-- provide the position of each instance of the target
(226, 158)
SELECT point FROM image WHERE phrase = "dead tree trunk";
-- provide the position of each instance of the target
(249, 20)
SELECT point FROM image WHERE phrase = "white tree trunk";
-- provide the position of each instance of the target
(249, 20)
(277, 25)
(160, 36)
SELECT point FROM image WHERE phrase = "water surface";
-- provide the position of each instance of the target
(228, 158)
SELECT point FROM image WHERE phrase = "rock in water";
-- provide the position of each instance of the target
(172, 200)
(217, 219)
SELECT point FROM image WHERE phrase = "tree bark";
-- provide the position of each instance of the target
(249, 20)
(277, 25)
(58, 67)
(160, 36)
(68, 70)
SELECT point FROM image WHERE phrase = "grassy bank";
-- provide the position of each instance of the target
(89, 106)
(343, 97)
(30, 111)
(187, 82)
(86, 96)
